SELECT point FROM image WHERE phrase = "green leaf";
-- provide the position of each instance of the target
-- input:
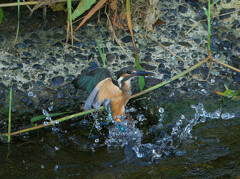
(83, 6)
(1, 15)
(37, 118)
(101, 51)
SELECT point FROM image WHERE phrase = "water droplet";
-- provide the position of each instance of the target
(42, 166)
(204, 91)
(141, 117)
(56, 167)
(45, 123)
(161, 110)
(182, 117)
(213, 80)
(230, 96)
(179, 123)
(50, 108)
(203, 120)
(57, 122)
(96, 140)
(30, 93)
(56, 148)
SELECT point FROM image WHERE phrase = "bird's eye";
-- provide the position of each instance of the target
(129, 72)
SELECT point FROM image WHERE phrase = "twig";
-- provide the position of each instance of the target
(226, 65)
(186, 65)
(49, 123)
(173, 78)
(28, 3)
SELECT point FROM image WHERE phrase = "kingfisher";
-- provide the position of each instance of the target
(104, 90)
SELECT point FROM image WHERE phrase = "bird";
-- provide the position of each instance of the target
(104, 90)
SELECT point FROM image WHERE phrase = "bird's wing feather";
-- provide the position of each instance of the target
(90, 79)
(103, 93)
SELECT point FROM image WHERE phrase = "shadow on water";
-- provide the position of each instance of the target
(197, 144)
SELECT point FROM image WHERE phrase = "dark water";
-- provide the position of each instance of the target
(204, 145)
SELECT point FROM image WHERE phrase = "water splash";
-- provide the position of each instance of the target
(166, 139)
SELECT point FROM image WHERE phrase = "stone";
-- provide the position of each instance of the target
(69, 58)
(57, 81)
(182, 9)
(127, 39)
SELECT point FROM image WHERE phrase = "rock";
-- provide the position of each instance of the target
(167, 43)
(127, 39)
(27, 54)
(147, 66)
(21, 46)
(57, 81)
(37, 66)
(81, 57)
(58, 44)
(69, 58)
(28, 42)
(182, 9)
(110, 57)
(25, 86)
(224, 11)
(185, 44)
(123, 57)
(197, 41)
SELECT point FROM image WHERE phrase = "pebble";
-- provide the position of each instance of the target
(81, 57)
(37, 66)
(123, 57)
(147, 66)
(182, 9)
(57, 81)
(58, 44)
(127, 39)
(185, 44)
(25, 86)
(21, 46)
(110, 57)
(69, 58)
(27, 54)
(28, 42)
(223, 11)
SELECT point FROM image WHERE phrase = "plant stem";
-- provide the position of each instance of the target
(209, 27)
(173, 78)
(9, 115)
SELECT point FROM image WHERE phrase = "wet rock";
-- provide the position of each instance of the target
(58, 44)
(147, 59)
(27, 100)
(165, 73)
(41, 77)
(123, 57)
(21, 46)
(69, 58)
(147, 66)
(57, 81)
(236, 77)
(60, 94)
(127, 39)
(37, 66)
(185, 44)
(29, 42)
(197, 41)
(224, 11)
(182, 9)
(27, 54)
(110, 57)
(167, 43)
(235, 61)
(25, 86)
(81, 57)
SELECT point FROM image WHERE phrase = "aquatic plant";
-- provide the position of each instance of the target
(101, 51)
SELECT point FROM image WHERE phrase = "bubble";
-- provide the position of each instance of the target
(141, 117)
(230, 96)
(30, 93)
(56, 167)
(204, 91)
(56, 148)
(161, 110)
(213, 80)
(96, 140)
(179, 123)
(203, 120)
(57, 122)
(42, 166)
(182, 117)
(45, 123)
(50, 108)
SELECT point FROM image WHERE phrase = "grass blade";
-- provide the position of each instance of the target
(9, 115)
(69, 9)
(18, 22)
(101, 51)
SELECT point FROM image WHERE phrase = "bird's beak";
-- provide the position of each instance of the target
(143, 73)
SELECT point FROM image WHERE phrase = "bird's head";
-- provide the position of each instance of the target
(127, 73)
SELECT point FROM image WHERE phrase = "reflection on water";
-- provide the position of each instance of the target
(204, 144)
